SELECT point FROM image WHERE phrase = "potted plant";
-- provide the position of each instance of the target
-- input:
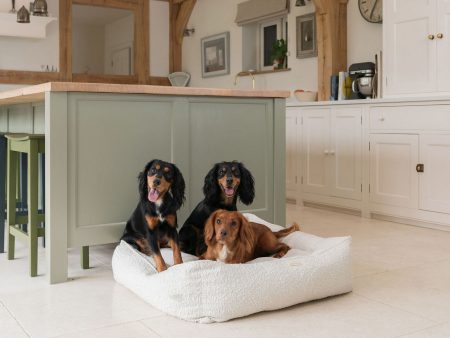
(279, 52)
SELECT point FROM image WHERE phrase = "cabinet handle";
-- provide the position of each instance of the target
(381, 118)
(431, 36)
(440, 35)
(420, 168)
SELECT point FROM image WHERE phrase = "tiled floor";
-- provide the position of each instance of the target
(401, 289)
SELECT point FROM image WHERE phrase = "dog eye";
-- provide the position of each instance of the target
(152, 171)
(233, 223)
(218, 221)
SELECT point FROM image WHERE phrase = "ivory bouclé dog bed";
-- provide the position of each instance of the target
(208, 291)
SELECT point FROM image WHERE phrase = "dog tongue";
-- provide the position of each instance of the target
(153, 195)
(229, 191)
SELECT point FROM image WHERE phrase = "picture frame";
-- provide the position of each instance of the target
(215, 51)
(306, 36)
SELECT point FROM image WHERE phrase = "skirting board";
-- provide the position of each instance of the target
(332, 208)
(411, 222)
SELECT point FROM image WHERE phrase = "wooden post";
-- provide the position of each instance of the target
(331, 19)
(179, 14)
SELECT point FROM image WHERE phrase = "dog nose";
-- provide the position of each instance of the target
(156, 182)
(229, 180)
(223, 233)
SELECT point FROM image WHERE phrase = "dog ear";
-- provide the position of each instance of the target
(177, 188)
(211, 188)
(246, 191)
(142, 179)
(210, 230)
(246, 235)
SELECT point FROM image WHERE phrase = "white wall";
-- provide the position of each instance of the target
(30, 54)
(159, 38)
(88, 49)
(215, 16)
(209, 17)
(364, 39)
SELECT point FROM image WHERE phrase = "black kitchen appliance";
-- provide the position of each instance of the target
(362, 76)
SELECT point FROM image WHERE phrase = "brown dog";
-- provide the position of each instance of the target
(232, 239)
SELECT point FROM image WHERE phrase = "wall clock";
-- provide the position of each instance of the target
(371, 10)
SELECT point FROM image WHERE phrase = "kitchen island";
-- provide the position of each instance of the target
(98, 137)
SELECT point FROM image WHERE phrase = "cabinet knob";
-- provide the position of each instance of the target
(420, 168)
(325, 152)
(431, 36)
(331, 152)
(381, 118)
(440, 35)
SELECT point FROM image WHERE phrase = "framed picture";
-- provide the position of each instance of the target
(215, 51)
(306, 36)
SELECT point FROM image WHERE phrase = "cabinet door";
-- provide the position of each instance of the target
(345, 153)
(393, 176)
(443, 45)
(409, 54)
(435, 180)
(315, 136)
(291, 152)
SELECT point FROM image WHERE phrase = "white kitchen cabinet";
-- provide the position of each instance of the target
(393, 177)
(292, 175)
(435, 179)
(346, 168)
(416, 47)
(363, 156)
(331, 151)
(443, 50)
(315, 151)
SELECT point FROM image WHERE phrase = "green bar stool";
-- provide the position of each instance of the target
(32, 145)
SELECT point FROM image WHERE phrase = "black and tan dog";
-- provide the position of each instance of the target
(224, 184)
(153, 223)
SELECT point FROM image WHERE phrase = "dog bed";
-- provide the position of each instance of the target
(208, 291)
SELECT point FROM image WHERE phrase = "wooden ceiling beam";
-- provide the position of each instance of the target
(331, 20)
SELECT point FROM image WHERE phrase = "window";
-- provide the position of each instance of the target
(257, 42)
(269, 32)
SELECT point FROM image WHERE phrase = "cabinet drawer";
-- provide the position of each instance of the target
(410, 117)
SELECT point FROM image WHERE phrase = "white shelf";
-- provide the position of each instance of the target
(35, 29)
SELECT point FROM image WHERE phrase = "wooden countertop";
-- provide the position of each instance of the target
(37, 92)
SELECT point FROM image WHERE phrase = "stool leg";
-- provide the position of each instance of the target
(2, 191)
(11, 197)
(85, 257)
(33, 206)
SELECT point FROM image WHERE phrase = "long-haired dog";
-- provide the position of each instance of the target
(153, 223)
(224, 184)
(231, 238)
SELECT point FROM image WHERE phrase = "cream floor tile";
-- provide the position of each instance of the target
(377, 246)
(423, 290)
(439, 331)
(342, 316)
(9, 327)
(400, 288)
(128, 330)
(90, 300)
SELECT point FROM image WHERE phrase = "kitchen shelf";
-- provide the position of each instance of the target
(35, 29)
(259, 72)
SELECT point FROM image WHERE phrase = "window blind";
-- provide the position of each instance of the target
(259, 10)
